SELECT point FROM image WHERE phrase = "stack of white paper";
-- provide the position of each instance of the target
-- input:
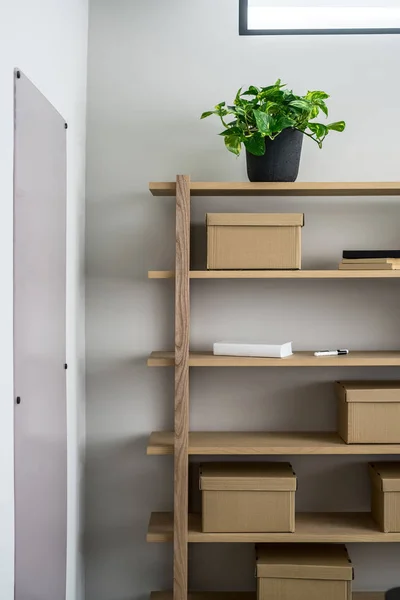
(260, 350)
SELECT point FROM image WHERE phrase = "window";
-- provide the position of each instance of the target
(277, 17)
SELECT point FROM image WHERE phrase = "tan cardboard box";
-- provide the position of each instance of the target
(303, 572)
(369, 412)
(248, 497)
(385, 495)
(254, 241)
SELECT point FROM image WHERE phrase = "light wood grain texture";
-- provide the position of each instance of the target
(329, 528)
(298, 359)
(181, 438)
(232, 188)
(249, 596)
(327, 274)
(259, 443)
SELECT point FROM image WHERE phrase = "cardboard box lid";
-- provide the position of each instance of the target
(248, 476)
(304, 561)
(371, 391)
(386, 476)
(256, 219)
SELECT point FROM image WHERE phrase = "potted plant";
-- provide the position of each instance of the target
(271, 122)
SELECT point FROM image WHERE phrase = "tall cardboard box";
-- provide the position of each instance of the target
(369, 412)
(385, 495)
(303, 572)
(254, 241)
(248, 497)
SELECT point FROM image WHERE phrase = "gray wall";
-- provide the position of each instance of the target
(153, 68)
(48, 41)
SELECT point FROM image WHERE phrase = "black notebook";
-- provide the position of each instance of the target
(354, 254)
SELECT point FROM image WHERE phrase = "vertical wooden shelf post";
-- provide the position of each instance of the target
(181, 437)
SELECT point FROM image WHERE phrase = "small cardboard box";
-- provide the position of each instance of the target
(254, 241)
(369, 412)
(303, 572)
(248, 497)
(385, 495)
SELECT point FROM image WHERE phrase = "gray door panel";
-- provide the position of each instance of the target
(39, 346)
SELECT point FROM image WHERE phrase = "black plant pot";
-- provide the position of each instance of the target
(393, 594)
(281, 159)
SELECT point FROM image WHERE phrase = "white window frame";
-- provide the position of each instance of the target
(244, 30)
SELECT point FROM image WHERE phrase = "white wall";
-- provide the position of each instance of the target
(47, 40)
(153, 68)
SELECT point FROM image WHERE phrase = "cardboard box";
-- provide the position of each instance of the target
(303, 572)
(369, 412)
(254, 241)
(248, 497)
(385, 495)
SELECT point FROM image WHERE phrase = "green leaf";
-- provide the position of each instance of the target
(255, 144)
(240, 111)
(282, 123)
(270, 107)
(272, 88)
(273, 94)
(319, 129)
(264, 122)
(316, 95)
(301, 103)
(321, 104)
(241, 126)
(232, 131)
(207, 114)
(288, 95)
(237, 99)
(252, 91)
(220, 105)
(233, 143)
(338, 126)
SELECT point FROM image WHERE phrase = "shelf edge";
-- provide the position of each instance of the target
(306, 274)
(237, 188)
(330, 528)
(307, 447)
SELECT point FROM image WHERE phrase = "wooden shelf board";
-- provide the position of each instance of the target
(298, 359)
(327, 274)
(204, 443)
(329, 528)
(248, 595)
(220, 188)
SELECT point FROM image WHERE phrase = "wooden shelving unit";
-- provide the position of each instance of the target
(207, 443)
(298, 359)
(231, 188)
(179, 526)
(333, 274)
(333, 528)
